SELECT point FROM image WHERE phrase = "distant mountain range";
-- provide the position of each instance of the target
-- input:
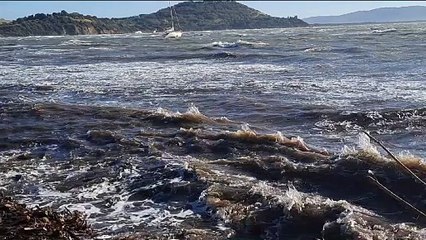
(378, 15)
(200, 15)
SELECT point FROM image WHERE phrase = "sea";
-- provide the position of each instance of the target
(232, 134)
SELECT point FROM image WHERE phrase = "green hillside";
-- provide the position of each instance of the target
(207, 15)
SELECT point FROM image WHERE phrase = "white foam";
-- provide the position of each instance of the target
(94, 191)
(242, 42)
(316, 49)
(384, 30)
(192, 109)
(75, 42)
(224, 44)
(87, 208)
(365, 144)
(43, 192)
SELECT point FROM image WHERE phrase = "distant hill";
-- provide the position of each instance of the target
(207, 15)
(388, 14)
(3, 21)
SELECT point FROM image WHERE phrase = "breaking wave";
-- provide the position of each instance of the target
(389, 30)
(317, 49)
(236, 44)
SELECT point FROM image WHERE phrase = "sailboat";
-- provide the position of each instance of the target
(172, 32)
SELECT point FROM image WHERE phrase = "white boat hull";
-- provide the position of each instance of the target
(174, 34)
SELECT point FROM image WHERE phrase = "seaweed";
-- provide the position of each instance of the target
(18, 221)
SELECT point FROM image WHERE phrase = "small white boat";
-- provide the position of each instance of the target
(172, 32)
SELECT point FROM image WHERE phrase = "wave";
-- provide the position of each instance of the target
(292, 200)
(170, 57)
(316, 49)
(389, 30)
(367, 151)
(392, 120)
(236, 44)
(254, 44)
(192, 115)
(224, 44)
(347, 50)
(76, 42)
(247, 135)
(101, 48)
(333, 50)
(223, 55)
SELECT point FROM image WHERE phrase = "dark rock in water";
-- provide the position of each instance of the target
(44, 88)
(70, 144)
(24, 156)
(80, 180)
(207, 15)
(17, 177)
(185, 192)
(194, 148)
(222, 147)
(102, 136)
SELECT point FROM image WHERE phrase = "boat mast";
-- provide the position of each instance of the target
(171, 16)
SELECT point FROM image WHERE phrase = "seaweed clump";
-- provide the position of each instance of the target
(17, 221)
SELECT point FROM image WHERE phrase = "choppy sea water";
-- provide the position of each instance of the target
(237, 133)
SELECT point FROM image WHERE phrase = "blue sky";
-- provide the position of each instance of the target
(13, 10)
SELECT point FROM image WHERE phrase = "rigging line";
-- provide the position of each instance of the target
(396, 159)
(373, 178)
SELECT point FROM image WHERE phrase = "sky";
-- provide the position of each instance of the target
(12, 10)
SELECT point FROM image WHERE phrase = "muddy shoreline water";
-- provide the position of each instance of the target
(170, 175)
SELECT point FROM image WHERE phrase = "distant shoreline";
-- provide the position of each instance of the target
(376, 15)
(222, 30)
(193, 16)
(364, 23)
